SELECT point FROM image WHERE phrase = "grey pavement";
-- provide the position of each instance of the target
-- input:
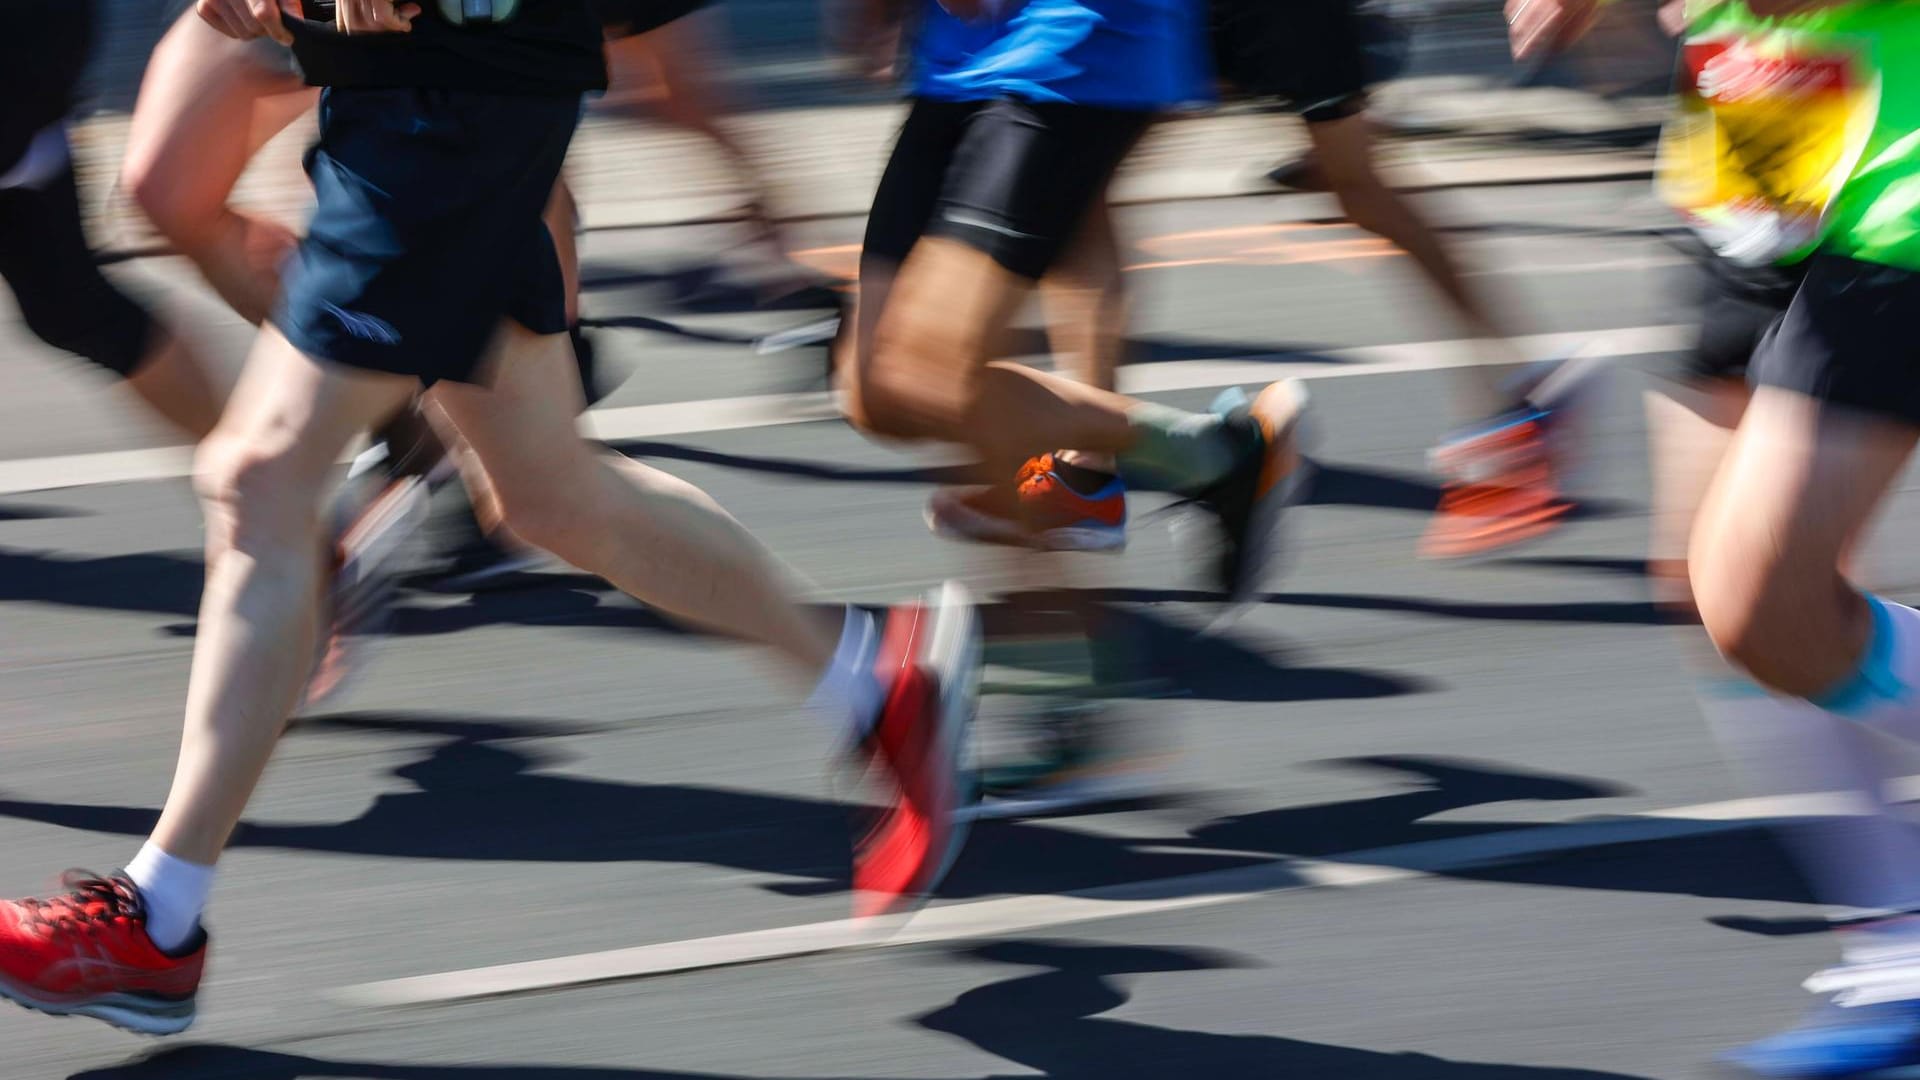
(555, 771)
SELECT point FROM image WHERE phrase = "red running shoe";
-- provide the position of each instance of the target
(930, 660)
(88, 954)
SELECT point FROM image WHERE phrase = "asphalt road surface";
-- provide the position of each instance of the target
(1523, 858)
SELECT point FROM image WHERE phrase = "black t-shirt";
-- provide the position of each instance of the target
(549, 47)
(42, 55)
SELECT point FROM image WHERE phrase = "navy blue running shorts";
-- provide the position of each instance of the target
(428, 230)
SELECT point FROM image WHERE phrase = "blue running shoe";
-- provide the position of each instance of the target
(1865, 1042)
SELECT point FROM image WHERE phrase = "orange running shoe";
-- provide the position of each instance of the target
(1052, 515)
(1502, 488)
(88, 954)
(930, 659)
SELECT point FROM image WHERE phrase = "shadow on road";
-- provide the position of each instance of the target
(482, 794)
(1050, 1023)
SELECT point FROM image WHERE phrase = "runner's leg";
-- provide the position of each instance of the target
(206, 106)
(261, 475)
(650, 534)
(70, 304)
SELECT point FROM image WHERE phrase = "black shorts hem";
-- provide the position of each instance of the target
(1848, 340)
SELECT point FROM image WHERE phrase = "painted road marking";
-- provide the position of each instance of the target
(1020, 914)
(770, 410)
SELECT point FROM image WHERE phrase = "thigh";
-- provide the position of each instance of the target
(1799, 483)
(522, 427)
(1025, 175)
(206, 106)
(301, 411)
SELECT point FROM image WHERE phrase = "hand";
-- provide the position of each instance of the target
(248, 19)
(374, 16)
(1534, 26)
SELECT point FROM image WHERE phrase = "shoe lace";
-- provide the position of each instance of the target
(91, 902)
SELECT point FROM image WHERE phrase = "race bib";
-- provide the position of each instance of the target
(1766, 131)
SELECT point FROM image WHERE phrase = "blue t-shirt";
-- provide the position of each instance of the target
(1124, 54)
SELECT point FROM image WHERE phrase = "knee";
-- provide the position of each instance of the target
(169, 201)
(256, 493)
(1741, 594)
(544, 515)
(876, 403)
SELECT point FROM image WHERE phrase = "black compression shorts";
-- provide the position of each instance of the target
(1012, 179)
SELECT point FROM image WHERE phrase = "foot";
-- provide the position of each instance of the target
(1079, 757)
(87, 953)
(1050, 512)
(1271, 476)
(367, 559)
(931, 655)
(466, 559)
(1501, 487)
(1836, 1043)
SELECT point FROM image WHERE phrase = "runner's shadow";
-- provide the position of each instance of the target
(211, 1062)
(31, 512)
(795, 467)
(1051, 1023)
(1692, 859)
(160, 583)
(1603, 612)
(482, 793)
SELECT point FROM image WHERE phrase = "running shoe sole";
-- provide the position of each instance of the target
(951, 520)
(953, 654)
(128, 1012)
(1260, 546)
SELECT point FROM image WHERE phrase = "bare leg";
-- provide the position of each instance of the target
(1689, 428)
(261, 474)
(205, 109)
(179, 386)
(1343, 150)
(654, 536)
(561, 216)
(1799, 483)
(1085, 296)
(668, 72)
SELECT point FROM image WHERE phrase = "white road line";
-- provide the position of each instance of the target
(1018, 914)
(771, 410)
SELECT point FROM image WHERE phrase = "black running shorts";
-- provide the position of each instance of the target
(1848, 339)
(1313, 54)
(1738, 306)
(1012, 179)
(63, 297)
(427, 230)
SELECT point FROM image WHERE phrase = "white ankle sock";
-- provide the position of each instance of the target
(175, 893)
(849, 695)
